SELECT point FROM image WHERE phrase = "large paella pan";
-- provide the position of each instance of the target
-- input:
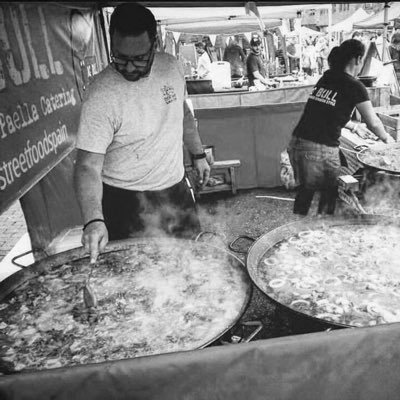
(154, 296)
(342, 272)
(381, 157)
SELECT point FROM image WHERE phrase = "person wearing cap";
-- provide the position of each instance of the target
(204, 62)
(255, 64)
(129, 176)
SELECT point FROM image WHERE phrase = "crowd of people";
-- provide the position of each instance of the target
(310, 57)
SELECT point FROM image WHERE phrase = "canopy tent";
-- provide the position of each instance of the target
(347, 24)
(176, 15)
(304, 32)
(376, 21)
(228, 27)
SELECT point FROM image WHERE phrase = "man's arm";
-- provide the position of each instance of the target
(257, 75)
(192, 141)
(89, 190)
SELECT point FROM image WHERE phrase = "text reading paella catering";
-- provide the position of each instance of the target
(24, 116)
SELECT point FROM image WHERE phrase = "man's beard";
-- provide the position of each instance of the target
(136, 75)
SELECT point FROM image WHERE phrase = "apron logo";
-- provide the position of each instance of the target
(168, 94)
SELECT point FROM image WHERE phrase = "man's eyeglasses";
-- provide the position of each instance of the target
(138, 61)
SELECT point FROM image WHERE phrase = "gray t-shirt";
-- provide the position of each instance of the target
(137, 125)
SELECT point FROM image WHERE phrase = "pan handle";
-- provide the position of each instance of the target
(35, 252)
(237, 250)
(212, 233)
(361, 147)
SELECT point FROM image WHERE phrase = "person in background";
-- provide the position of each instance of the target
(309, 58)
(203, 63)
(129, 171)
(394, 51)
(322, 50)
(293, 51)
(255, 64)
(234, 54)
(396, 35)
(314, 147)
(357, 35)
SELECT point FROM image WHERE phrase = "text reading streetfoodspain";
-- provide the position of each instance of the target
(40, 103)
(24, 116)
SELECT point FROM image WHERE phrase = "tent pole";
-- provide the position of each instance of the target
(299, 15)
(385, 26)
(329, 25)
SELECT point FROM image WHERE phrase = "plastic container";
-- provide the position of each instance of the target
(221, 75)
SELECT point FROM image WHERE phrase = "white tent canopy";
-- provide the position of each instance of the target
(305, 32)
(175, 15)
(376, 21)
(347, 24)
(228, 27)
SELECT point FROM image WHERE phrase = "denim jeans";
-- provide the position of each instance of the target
(316, 167)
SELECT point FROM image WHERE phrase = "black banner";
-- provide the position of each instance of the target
(49, 52)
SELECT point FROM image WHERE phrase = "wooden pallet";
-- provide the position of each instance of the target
(390, 117)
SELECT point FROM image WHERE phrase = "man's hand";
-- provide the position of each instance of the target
(389, 139)
(94, 239)
(203, 171)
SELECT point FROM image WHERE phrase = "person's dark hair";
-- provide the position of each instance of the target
(255, 41)
(356, 34)
(132, 19)
(341, 55)
(200, 45)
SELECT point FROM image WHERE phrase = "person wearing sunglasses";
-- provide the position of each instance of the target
(129, 175)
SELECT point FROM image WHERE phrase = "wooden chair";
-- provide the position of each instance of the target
(223, 176)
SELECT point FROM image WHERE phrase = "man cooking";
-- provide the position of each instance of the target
(129, 174)
(255, 64)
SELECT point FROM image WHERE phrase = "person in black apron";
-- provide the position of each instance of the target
(130, 175)
(314, 147)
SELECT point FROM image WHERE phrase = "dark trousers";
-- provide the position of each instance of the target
(316, 168)
(129, 213)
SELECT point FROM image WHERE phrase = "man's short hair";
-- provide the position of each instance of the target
(255, 42)
(132, 19)
(200, 45)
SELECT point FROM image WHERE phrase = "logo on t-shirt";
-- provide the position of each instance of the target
(168, 93)
(327, 96)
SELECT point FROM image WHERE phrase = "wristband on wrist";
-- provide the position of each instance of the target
(92, 220)
(199, 156)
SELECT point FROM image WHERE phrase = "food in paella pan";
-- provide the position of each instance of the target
(344, 274)
(387, 157)
(151, 299)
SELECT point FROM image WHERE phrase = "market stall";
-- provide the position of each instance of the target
(256, 127)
